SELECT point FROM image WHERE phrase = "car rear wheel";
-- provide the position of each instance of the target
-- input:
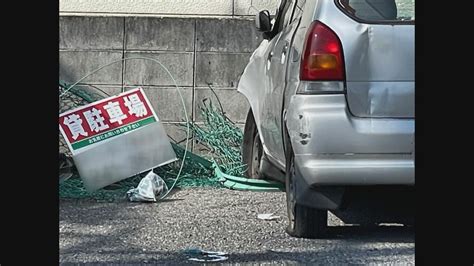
(252, 149)
(303, 221)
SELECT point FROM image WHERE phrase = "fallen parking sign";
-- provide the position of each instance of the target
(89, 125)
(115, 138)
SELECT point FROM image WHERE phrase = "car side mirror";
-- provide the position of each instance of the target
(262, 21)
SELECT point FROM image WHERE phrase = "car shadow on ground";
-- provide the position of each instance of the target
(392, 234)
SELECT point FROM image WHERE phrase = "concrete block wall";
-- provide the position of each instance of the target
(224, 8)
(197, 52)
(185, 8)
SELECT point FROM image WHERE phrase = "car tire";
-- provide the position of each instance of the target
(252, 149)
(303, 221)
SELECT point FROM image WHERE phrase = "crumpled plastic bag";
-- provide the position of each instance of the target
(150, 187)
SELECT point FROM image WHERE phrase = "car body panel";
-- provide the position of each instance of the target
(379, 61)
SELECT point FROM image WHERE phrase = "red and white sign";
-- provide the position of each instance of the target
(106, 119)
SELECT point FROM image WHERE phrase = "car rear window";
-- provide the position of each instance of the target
(379, 10)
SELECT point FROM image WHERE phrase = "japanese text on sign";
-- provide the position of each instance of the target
(106, 119)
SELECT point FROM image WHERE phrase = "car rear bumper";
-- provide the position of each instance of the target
(358, 169)
(332, 147)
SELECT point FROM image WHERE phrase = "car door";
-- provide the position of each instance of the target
(276, 75)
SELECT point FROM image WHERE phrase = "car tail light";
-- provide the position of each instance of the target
(322, 55)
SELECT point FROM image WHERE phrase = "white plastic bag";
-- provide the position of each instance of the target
(150, 187)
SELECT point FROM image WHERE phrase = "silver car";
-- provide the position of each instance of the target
(331, 90)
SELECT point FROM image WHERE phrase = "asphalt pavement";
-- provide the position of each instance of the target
(216, 219)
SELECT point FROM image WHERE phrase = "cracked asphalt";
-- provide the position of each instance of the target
(216, 219)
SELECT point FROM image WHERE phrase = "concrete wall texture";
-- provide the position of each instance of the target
(197, 52)
(166, 7)
(182, 7)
